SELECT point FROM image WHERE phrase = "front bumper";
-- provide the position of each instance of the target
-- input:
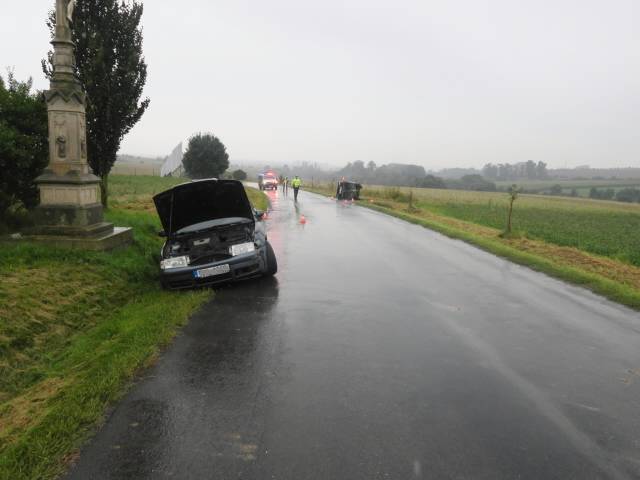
(242, 267)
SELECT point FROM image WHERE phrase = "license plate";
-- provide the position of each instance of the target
(212, 271)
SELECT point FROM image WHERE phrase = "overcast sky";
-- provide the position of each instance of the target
(440, 83)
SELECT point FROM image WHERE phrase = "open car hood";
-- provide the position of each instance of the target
(202, 201)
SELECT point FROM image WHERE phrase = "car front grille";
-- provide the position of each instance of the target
(210, 258)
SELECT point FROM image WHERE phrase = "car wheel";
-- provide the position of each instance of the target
(272, 264)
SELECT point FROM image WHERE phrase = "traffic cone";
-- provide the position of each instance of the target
(303, 220)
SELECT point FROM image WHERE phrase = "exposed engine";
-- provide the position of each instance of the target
(210, 246)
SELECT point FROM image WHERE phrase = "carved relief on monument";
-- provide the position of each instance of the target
(61, 143)
(60, 134)
(83, 137)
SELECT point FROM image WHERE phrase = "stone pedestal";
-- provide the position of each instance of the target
(70, 210)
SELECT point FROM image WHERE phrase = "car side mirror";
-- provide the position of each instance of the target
(162, 233)
(259, 215)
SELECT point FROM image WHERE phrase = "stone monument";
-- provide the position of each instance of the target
(70, 210)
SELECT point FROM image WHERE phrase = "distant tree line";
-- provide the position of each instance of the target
(402, 175)
(628, 195)
(306, 170)
(529, 170)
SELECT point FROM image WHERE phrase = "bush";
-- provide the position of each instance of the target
(24, 144)
(556, 190)
(630, 195)
(607, 194)
(431, 181)
(240, 175)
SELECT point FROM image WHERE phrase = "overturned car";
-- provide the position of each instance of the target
(348, 190)
(213, 235)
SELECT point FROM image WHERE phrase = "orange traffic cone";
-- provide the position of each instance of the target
(303, 219)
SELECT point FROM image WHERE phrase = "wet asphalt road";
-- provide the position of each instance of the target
(383, 350)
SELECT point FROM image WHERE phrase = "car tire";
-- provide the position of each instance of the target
(272, 263)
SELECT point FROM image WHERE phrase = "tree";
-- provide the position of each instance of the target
(475, 183)
(541, 171)
(113, 71)
(513, 196)
(206, 157)
(530, 169)
(241, 175)
(490, 171)
(24, 143)
(431, 181)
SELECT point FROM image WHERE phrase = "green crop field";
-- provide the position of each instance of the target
(582, 187)
(605, 228)
(136, 192)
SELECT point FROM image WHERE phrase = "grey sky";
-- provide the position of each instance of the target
(439, 83)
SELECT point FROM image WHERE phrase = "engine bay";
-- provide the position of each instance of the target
(210, 246)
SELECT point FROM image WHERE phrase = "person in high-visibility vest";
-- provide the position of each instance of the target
(296, 183)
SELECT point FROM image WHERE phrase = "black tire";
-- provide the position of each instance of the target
(272, 263)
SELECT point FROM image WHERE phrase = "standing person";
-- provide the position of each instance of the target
(296, 183)
(286, 185)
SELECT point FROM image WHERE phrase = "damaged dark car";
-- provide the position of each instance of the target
(213, 235)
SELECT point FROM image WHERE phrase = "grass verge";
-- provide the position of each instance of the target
(258, 199)
(76, 327)
(616, 280)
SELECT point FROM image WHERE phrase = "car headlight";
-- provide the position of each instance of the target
(242, 248)
(175, 262)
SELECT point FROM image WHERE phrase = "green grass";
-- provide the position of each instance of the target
(136, 192)
(123, 185)
(258, 199)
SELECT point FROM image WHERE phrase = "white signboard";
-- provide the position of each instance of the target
(173, 163)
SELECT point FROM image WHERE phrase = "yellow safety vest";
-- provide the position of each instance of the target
(296, 182)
